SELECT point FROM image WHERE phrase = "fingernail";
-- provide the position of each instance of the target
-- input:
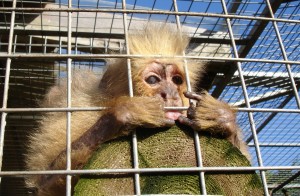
(169, 122)
(188, 93)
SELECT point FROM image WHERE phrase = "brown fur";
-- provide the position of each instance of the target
(50, 139)
(208, 118)
(112, 91)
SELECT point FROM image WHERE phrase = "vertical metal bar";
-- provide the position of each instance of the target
(77, 26)
(76, 46)
(6, 82)
(59, 29)
(1, 43)
(69, 105)
(60, 45)
(189, 88)
(270, 117)
(134, 138)
(282, 48)
(105, 46)
(200, 162)
(30, 44)
(15, 43)
(45, 45)
(127, 49)
(91, 45)
(250, 114)
(95, 25)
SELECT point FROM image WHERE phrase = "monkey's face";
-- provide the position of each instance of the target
(166, 82)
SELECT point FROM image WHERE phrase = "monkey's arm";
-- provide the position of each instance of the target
(213, 116)
(123, 114)
(83, 146)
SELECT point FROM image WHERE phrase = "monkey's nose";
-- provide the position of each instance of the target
(163, 95)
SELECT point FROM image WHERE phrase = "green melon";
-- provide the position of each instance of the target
(168, 147)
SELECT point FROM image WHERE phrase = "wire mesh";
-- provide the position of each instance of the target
(252, 50)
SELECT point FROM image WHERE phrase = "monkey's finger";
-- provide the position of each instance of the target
(192, 95)
(165, 122)
(191, 112)
(186, 121)
(169, 122)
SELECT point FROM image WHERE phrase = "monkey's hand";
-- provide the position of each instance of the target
(131, 112)
(211, 115)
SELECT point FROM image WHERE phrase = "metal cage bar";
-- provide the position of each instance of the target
(189, 88)
(149, 170)
(103, 56)
(130, 11)
(257, 104)
(288, 66)
(250, 115)
(130, 86)
(6, 83)
(69, 104)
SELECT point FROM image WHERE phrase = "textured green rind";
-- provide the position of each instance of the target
(173, 147)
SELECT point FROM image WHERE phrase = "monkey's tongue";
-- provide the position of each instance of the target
(173, 115)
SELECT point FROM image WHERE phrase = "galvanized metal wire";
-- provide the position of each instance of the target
(261, 77)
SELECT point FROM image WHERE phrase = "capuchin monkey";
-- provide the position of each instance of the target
(157, 83)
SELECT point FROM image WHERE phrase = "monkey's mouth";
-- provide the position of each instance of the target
(172, 115)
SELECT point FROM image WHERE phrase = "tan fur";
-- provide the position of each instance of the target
(154, 40)
(158, 40)
(165, 41)
(50, 138)
(210, 118)
(147, 110)
(112, 91)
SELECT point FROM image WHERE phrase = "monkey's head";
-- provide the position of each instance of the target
(163, 78)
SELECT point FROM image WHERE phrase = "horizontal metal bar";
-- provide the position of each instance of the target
(270, 117)
(109, 35)
(48, 32)
(264, 97)
(164, 12)
(289, 186)
(276, 144)
(101, 56)
(268, 74)
(148, 170)
(81, 109)
(73, 109)
(268, 110)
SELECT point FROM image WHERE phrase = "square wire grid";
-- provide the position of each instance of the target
(255, 45)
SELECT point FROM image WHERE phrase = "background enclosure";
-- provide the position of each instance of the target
(251, 46)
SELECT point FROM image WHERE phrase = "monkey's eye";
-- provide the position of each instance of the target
(152, 80)
(177, 80)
